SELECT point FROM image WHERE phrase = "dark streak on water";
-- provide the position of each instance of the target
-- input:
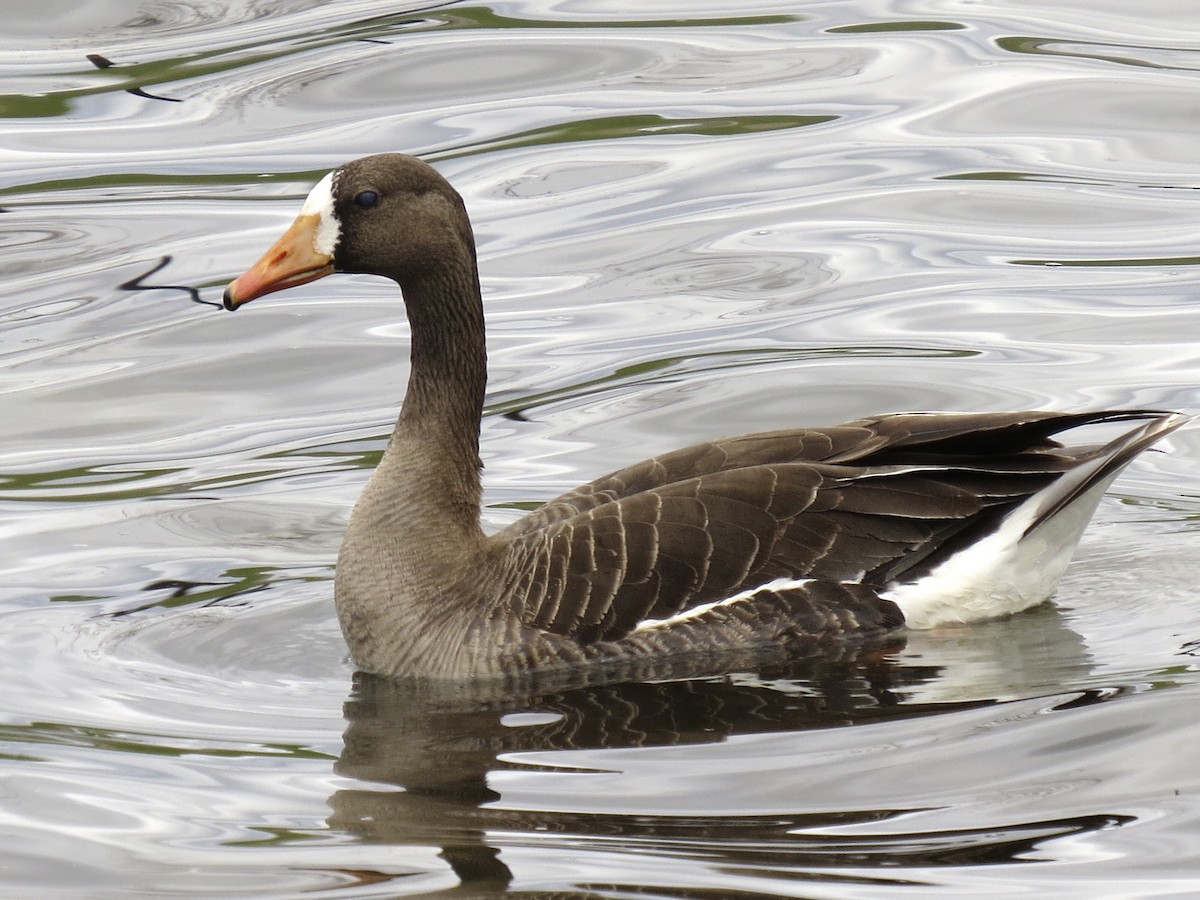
(135, 284)
(101, 63)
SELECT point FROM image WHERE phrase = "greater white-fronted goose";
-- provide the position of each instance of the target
(783, 539)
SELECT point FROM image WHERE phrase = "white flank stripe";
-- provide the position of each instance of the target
(779, 584)
(319, 203)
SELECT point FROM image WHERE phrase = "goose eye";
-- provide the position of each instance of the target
(366, 199)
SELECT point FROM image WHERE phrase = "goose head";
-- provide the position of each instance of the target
(388, 214)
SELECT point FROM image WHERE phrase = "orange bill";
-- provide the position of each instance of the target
(292, 260)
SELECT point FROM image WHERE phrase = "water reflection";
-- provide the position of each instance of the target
(442, 747)
(1138, 55)
(447, 750)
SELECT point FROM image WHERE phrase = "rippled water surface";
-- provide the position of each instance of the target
(694, 218)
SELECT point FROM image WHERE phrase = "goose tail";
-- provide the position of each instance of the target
(1020, 562)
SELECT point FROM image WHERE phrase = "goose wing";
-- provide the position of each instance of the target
(866, 441)
(885, 499)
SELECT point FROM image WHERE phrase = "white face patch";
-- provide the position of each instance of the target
(319, 203)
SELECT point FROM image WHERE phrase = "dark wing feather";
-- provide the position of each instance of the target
(869, 501)
(657, 553)
(894, 439)
(742, 451)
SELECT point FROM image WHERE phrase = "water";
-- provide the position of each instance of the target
(693, 220)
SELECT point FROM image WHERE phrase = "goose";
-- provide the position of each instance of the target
(782, 541)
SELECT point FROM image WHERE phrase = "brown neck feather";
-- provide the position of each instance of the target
(434, 451)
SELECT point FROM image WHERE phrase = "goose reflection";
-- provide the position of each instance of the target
(429, 759)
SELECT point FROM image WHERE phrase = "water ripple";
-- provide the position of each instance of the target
(692, 221)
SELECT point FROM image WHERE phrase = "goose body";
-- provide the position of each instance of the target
(783, 539)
